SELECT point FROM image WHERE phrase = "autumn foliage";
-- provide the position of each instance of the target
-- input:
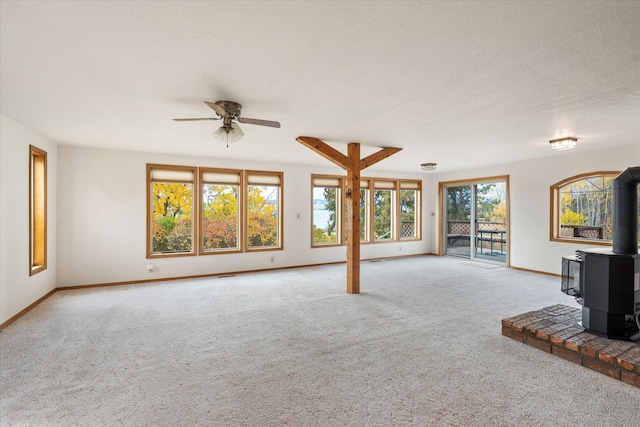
(173, 217)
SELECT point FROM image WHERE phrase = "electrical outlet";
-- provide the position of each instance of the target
(273, 259)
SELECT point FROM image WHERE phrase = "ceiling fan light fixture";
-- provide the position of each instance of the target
(228, 133)
(229, 112)
(428, 166)
(563, 143)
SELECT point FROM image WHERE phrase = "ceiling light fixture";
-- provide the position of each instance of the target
(563, 143)
(428, 166)
(228, 133)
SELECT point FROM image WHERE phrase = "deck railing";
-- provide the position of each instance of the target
(407, 229)
(490, 235)
(464, 227)
(583, 231)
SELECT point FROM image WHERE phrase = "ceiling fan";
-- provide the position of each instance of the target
(229, 112)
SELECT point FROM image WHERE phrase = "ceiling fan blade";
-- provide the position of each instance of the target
(259, 122)
(218, 109)
(192, 120)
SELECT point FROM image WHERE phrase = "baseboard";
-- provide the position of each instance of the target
(536, 271)
(27, 309)
(226, 273)
(198, 276)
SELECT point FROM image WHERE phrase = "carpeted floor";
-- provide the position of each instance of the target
(421, 345)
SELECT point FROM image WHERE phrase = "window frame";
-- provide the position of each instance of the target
(365, 220)
(38, 186)
(390, 185)
(554, 217)
(194, 209)
(241, 206)
(408, 185)
(197, 206)
(247, 183)
(340, 209)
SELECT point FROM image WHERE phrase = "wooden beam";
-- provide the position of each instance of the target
(326, 151)
(353, 165)
(352, 226)
(376, 157)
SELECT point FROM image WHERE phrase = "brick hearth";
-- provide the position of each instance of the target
(553, 329)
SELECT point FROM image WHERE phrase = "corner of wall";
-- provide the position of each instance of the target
(19, 290)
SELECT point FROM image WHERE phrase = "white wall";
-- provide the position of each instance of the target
(17, 289)
(530, 183)
(102, 214)
(97, 208)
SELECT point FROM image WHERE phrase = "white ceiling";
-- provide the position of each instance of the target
(459, 83)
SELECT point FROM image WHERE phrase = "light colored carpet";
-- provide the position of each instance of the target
(421, 345)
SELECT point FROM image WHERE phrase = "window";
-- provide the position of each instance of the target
(203, 211)
(327, 218)
(365, 203)
(37, 210)
(384, 209)
(395, 214)
(220, 211)
(171, 196)
(409, 209)
(264, 220)
(581, 208)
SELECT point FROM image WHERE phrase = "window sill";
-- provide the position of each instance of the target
(582, 241)
(326, 245)
(37, 269)
(170, 255)
(221, 251)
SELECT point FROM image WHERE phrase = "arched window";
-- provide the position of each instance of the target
(581, 208)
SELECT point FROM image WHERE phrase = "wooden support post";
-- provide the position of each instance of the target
(352, 226)
(353, 165)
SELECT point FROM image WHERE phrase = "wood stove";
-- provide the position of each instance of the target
(607, 281)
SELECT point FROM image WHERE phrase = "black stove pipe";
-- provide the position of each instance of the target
(625, 211)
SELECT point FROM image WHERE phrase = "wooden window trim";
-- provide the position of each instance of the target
(395, 185)
(198, 173)
(194, 210)
(554, 205)
(245, 200)
(241, 207)
(339, 211)
(37, 210)
(367, 217)
(395, 223)
(418, 209)
(442, 213)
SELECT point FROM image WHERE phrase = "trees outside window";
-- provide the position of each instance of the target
(409, 209)
(263, 210)
(193, 211)
(171, 204)
(384, 210)
(365, 228)
(389, 210)
(459, 203)
(489, 202)
(326, 209)
(220, 210)
(582, 208)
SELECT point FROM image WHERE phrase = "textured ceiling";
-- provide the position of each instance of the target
(458, 83)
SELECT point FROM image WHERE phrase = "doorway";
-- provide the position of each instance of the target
(475, 219)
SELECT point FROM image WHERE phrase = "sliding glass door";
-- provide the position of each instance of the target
(475, 220)
(458, 221)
